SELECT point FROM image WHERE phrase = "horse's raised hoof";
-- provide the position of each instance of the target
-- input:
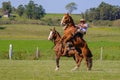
(75, 68)
(56, 69)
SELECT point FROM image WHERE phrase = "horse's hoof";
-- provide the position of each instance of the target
(74, 69)
(56, 69)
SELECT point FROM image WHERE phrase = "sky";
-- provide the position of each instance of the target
(58, 6)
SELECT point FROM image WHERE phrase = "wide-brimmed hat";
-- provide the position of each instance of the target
(82, 20)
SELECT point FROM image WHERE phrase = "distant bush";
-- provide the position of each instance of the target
(5, 22)
(116, 23)
(51, 22)
(102, 23)
(106, 23)
(12, 20)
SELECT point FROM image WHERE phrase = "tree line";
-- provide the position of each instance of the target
(30, 11)
(104, 11)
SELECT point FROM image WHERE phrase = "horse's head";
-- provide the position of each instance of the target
(53, 34)
(67, 19)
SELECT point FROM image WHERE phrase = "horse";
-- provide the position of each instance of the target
(77, 40)
(58, 49)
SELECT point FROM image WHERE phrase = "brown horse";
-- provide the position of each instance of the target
(77, 41)
(58, 49)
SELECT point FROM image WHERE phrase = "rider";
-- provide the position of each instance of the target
(82, 27)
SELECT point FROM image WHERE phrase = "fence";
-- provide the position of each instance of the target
(37, 53)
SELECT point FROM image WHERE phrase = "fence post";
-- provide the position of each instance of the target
(101, 53)
(10, 51)
(37, 53)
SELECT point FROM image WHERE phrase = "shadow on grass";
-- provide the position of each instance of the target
(2, 28)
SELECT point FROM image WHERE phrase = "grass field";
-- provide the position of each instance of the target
(26, 49)
(23, 31)
(76, 17)
(26, 38)
(44, 70)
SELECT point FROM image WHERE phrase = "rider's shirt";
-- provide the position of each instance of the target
(82, 28)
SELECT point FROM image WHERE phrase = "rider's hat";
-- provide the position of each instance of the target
(82, 20)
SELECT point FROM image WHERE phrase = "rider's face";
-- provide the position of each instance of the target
(82, 22)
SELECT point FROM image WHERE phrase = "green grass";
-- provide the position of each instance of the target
(44, 70)
(111, 50)
(76, 17)
(26, 49)
(26, 38)
(103, 34)
(24, 31)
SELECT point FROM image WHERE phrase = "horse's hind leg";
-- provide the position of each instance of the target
(88, 57)
(89, 63)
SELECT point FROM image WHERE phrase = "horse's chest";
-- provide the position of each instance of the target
(57, 47)
(69, 31)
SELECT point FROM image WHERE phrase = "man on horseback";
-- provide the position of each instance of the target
(80, 31)
(82, 27)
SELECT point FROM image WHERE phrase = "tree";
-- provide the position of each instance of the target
(20, 10)
(34, 11)
(30, 9)
(104, 11)
(71, 7)
(7, 8)
(39, 12)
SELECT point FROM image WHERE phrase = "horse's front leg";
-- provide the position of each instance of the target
(76, 67)
(78, 60)
(57, 63)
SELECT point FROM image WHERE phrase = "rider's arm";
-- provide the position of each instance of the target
(84, 25)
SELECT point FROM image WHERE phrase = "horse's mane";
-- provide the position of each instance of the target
(57, 40)
(58, 33)
(71, 19)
